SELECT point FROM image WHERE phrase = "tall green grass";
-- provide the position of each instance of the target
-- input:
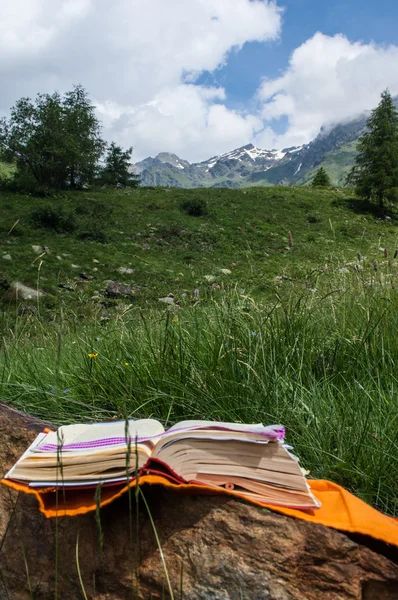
(319, 358)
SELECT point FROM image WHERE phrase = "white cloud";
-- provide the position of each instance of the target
(186, 119)
(29, 27)
(328, 80)
(138, 60)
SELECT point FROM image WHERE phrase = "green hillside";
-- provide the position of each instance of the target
(244, 231)
(337, 164)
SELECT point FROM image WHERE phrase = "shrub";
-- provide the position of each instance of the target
(50, 302)
(171, 231)
(50, 217)
(196, 207)
(93, 235)
(153, 206)
(22, 181)
(94, 219)
(313, 219)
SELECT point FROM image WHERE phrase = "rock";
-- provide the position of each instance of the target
(85, 276)
(125, 270)
(226, 271)
(25, 292)
(7, 256)
(119, 290)
(41, 249)
(167, 300)
(215, 548)
(67, 286)
(210, 278)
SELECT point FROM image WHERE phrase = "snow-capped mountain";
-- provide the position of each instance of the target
(250, 153)
(334, 149)
(231, 169)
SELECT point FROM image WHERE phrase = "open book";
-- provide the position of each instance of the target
(251, 460)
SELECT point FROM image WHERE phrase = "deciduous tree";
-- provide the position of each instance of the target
(54, 141)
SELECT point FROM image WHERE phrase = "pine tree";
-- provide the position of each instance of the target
(375, 173)
(321, 179)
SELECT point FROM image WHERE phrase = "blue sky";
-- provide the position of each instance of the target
(358, 20)
(201, 77)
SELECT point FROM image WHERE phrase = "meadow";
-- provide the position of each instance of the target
(284, 310)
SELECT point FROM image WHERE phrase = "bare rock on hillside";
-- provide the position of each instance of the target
(39, 249)
(125, 270)
(69, 287)
(210, 278)
(84, 275)
(115, 289)
(214, 548)
(167, 300)
(25, 292)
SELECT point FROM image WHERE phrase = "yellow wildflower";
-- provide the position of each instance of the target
(175, 320)
(126, 364)
(93, 355)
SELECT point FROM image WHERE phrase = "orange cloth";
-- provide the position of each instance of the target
(340, 509)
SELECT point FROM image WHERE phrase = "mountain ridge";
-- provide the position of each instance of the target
(334, 148)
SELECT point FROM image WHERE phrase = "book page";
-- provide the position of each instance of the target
(270, 431)
(87, 437)
(27, 452)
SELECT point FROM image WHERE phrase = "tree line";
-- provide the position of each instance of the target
(55, 143)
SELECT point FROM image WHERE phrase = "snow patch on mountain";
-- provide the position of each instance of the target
(278, 154)
(298, 169)
(296, 149)
(245, 153)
